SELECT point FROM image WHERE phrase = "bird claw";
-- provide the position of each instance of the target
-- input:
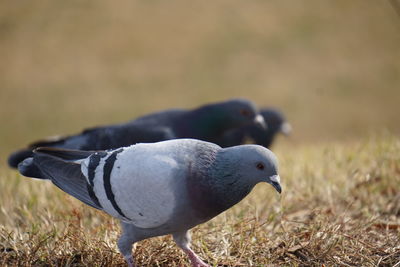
(195, 260)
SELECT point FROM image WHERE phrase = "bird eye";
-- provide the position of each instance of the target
(260, 166)
(245, 112)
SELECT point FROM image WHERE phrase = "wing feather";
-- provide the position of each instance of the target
(68, 177)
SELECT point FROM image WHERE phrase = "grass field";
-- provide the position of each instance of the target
(340, 207)
(332, 67)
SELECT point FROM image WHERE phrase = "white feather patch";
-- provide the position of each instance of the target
(144, 181)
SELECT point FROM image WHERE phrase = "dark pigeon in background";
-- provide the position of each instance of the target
(159, 188)
(275, 121)
(207, 123)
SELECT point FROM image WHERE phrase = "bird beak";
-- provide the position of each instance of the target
(276, 183)
(286, 128)
(259, 121)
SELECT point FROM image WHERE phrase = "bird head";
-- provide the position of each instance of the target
(252, 164)
(240, 112)
(276, 121)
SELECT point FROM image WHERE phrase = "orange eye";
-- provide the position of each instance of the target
(260, 166)
(245, 112)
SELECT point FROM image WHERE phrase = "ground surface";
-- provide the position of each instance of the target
(340, 206)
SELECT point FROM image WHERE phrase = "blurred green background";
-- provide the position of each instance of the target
(333, 67)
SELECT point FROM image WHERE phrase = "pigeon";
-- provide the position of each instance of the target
(157, 189)
(207, 123)
(275, 121)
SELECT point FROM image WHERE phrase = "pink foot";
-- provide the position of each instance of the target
(195, 260)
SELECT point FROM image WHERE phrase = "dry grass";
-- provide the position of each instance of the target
(340, 207)
(334, 68)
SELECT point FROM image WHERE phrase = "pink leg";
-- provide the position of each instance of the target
(183, 241)
(194, 259)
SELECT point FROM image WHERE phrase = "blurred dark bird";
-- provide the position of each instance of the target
(159, 188)
(275, 121)
(208, 123)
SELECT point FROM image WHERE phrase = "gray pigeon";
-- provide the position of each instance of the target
(206, 123)
(276, 122)
(159, 188)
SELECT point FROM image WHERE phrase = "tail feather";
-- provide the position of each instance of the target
(20, 155)
(29, 169)
(17, 157)
(65, 154)
(65, 174)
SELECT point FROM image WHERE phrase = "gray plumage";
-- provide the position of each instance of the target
(276, 122)
(160, 188)
(208, 123)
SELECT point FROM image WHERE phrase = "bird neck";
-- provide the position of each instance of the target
(217, 190)
(261, 136)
